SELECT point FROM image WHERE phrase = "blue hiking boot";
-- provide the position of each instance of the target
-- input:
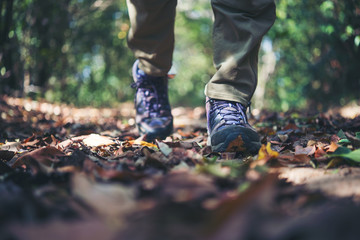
(228, 128)
(153, 112)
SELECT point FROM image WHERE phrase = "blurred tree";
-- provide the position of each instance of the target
(75, 51)
(317, 44)
(7, 46)
(193, 53)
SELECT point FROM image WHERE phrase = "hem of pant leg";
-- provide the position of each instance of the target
(151, 70)
(228, 97)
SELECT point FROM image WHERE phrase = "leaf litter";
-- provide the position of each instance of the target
(93, 174)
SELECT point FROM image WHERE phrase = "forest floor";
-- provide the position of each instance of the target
(70, 173)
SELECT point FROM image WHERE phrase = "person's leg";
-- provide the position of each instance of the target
(151, 36)
(238, 30)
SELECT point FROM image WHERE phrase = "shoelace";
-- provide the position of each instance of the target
(154, 92)
(233, 113)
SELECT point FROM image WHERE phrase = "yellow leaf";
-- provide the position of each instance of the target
(262, 153)
(272, 154)
(142, 143)
(265, 154)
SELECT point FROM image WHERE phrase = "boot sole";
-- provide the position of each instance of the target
(235, 139)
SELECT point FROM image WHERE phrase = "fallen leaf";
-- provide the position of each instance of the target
(319, 152)
(341, 134)
(265, 154)
(344, 141)
(342, 150)
(185, 135)
(309, 150)
(154, 159)
(68, 142)
(95, 140)
(164, 148)
(311, 143)
(332, 147)
(30, 141)
(352, 155)
(298, 159)
(40, 160)
(302, 158)
(283, 138)
(291, 126)
(335, 138)
(11, 146)
(142, 143)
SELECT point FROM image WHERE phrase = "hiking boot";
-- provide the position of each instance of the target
(228, 128)
(153, 112)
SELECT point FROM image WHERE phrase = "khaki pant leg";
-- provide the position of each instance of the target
(151, 36)
(238, 30)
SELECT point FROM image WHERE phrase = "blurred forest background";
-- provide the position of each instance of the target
(75, 51)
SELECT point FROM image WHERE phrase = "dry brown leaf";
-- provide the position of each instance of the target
(332, 147)
(291, 126)
(309, 150)
(294, 159)
(40, 160)
(68, 142)
(319, 152)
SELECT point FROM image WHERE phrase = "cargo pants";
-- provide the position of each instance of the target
(238, 29)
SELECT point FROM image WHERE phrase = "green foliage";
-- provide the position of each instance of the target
(193, 55)
(75, 51)
(317, 46)
(346, 153)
